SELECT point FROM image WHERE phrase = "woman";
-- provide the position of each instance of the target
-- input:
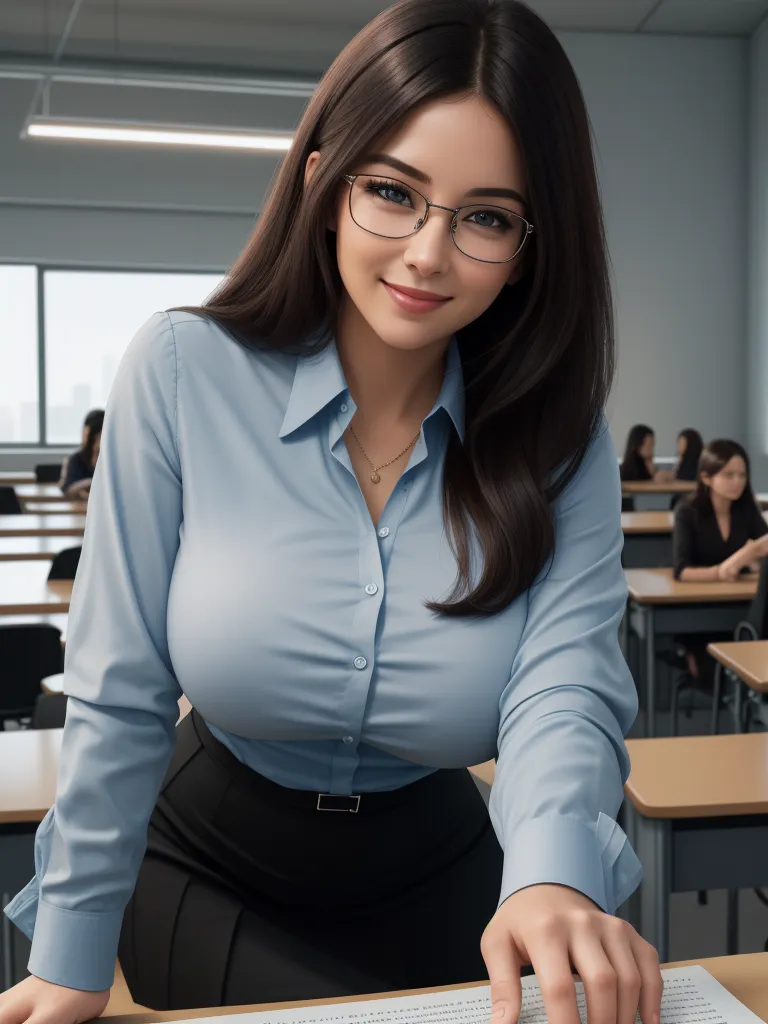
(77, 474)
(689, 447)
(719, 533)
(363, 509)
(637, 464)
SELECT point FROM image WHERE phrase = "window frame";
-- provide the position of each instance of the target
(42, 443)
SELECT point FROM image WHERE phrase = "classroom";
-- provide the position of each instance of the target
(283, 444)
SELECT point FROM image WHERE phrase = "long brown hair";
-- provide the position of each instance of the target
(714, 457)
(538, 364)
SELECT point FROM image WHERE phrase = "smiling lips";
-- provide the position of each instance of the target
(413, 300)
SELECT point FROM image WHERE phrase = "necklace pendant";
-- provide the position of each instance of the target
(375, 477)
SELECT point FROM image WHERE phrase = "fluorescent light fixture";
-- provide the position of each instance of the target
(155, 134)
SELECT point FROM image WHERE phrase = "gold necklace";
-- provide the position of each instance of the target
(375, 474)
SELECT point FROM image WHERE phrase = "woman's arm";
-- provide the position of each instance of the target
(122, 706)
(570, 700)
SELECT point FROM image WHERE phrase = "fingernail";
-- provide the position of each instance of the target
(498, 1013)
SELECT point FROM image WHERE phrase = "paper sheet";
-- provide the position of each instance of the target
(691, 996)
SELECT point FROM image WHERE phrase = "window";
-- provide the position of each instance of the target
(90, 316)
(18, 355)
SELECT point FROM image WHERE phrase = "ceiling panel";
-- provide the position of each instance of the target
(593, 15)
(716, 17)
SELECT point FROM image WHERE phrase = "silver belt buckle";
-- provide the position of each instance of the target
(344, 804)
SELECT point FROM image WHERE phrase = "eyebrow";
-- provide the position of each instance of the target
(414, 172)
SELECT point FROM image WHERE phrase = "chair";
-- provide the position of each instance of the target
(65, 563)
(50, 711)
(28, 653)
(9, 503)
(48, 473)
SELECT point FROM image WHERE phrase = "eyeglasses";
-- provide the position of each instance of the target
(391, 209)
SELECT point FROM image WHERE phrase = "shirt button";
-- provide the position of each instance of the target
(360, 662)
(348, 740)
(343, 406)
(384, 531)
(371, 588)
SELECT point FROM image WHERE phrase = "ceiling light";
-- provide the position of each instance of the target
(155, 134)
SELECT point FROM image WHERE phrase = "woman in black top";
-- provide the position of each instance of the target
(637, 463)
(80, 467)
(719, 532)
(689, 448)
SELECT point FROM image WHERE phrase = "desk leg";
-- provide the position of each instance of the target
(738, 692)
(732, 946)
(653, 837)
(650, 669)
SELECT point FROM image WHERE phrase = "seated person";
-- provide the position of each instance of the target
(80, 466)
(637, 463)
(719, 532)
(94, 416)
(689, 447)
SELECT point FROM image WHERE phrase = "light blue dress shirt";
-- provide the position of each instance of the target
(229, 554)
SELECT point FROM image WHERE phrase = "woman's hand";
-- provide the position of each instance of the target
(42, 1002)
(553, 927)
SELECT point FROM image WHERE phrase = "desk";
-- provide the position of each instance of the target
(10, 478)
(746, 662)
(39, 492)
(743, 976)
(647, 539)
(62, 507)
(651, 487)
(42, 526)
(25, 590)
(661, 606)
(34, 548)
(696, 813)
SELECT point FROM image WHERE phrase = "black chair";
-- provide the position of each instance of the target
(64, 565)
(48, 473)
(50, 711)
(28, 653)
(9, 503)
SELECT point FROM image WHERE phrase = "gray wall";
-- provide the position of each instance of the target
(670, 119)
(758, 257)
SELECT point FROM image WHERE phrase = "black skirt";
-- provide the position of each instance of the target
(249, 894)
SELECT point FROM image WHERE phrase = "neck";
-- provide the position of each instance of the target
(390, 386)
(722, 506)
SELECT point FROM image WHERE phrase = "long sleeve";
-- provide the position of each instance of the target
(569, 702)
(683, 538)
(122, 707)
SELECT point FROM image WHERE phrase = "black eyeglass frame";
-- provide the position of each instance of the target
(351, 178)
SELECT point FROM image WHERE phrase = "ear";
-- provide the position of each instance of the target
(313, 162)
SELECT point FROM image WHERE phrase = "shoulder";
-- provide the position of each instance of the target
(598, 473)
(685, 514)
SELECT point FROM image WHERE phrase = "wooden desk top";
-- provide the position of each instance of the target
(646, 522)
(34, 548)
(39, 492)
(699, 776)
(749, 660)
(25, 590)
(651, 487)
(42, 526)
(658, 586)
(10, 478)
(744, 977)
(62, 507)
(29, 760)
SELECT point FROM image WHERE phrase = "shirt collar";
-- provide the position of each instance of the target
(319, 379)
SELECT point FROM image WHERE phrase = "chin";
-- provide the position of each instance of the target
(408, 335)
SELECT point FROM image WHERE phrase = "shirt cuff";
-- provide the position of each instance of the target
(75, 948)
(595, 860)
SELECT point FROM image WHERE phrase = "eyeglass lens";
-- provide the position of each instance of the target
(390, 208)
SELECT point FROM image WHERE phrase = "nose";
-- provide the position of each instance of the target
(429, 250)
